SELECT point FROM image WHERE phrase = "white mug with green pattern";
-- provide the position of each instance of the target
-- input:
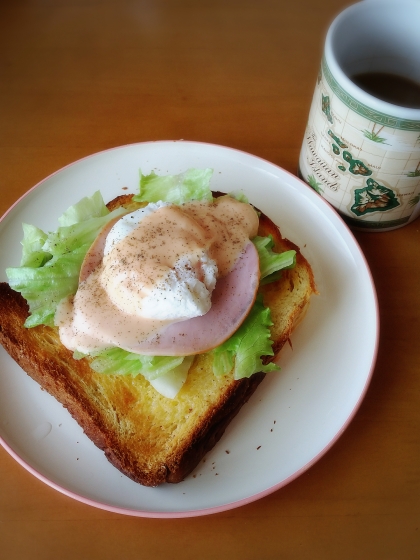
(361, 149)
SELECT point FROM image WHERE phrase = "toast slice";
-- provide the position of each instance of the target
(150, 438)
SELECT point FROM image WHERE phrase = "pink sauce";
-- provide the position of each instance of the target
(106, 310)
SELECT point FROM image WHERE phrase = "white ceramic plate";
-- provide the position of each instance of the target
(295, 415)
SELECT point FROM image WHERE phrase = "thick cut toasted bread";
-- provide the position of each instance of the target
(148, 437)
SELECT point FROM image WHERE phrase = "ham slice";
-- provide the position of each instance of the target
(232, 299)
(94, 256)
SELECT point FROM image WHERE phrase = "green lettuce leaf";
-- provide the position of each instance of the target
(44, 287)
(193, 184)
(51, 263)
(244, 350)
(240, 196)
(69, 238)
(116, 361)
(272, 263)
(33, 241)
(88, 207)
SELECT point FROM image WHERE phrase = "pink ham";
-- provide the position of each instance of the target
(94, 256)
(232, 299)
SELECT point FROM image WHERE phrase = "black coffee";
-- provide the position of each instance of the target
(390, 87)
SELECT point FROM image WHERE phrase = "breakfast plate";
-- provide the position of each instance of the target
(296, 414)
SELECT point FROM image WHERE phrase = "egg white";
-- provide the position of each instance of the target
(183, 293)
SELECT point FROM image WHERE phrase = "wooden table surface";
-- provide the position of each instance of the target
(80, 76)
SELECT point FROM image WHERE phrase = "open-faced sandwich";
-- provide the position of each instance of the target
(153, 318)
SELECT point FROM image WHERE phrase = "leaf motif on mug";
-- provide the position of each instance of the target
(314, 184)
(416, 172)
(374, 135)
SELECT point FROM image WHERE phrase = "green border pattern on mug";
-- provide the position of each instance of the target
(364, 162)
(363, 110)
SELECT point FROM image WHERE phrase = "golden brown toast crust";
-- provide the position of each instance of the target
(147, 437)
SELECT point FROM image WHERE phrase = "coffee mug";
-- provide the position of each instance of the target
(361, 149)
